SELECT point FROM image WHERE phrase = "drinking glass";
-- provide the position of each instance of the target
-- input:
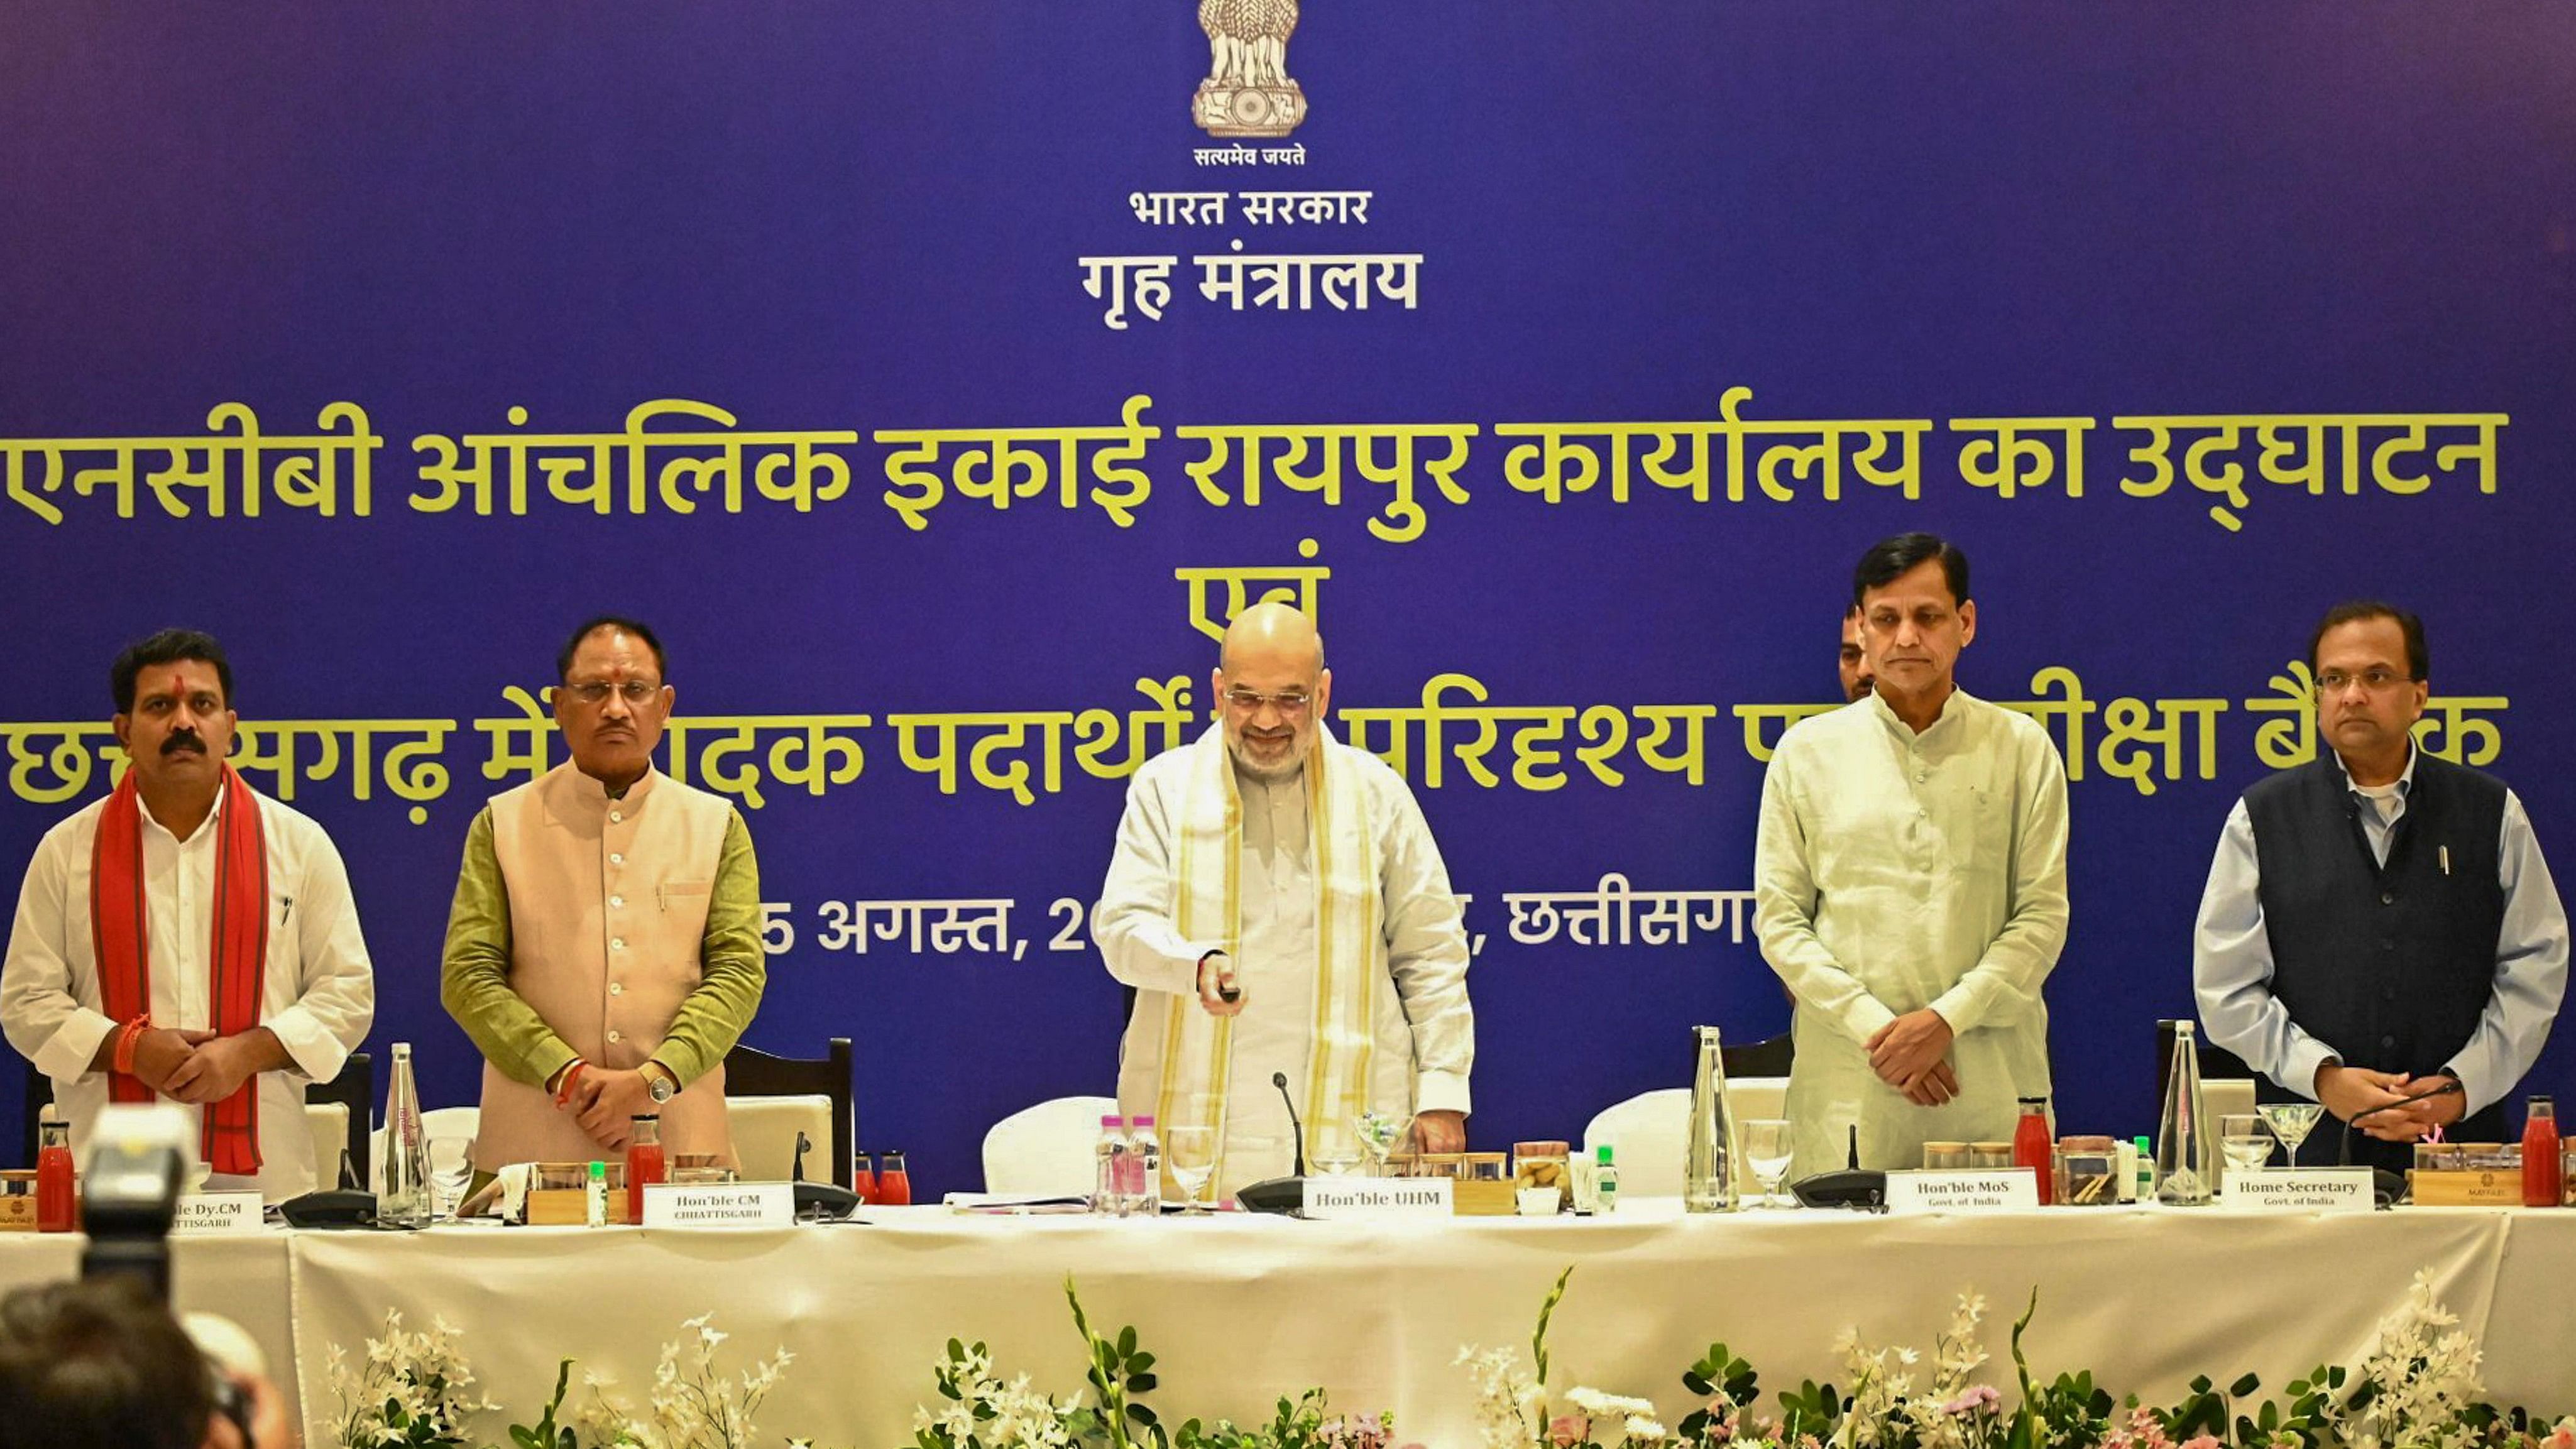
(1766, 1151)
(1190, 1152)
(2247, 1143)
(2291, 1122)
(451, 1167)
(1382, 1135)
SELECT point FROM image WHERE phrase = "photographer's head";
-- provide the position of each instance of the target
(99, 1364)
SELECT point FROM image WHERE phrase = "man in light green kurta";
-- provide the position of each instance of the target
(604, 946)
(1910, 885)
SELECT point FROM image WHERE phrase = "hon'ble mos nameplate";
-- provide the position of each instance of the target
(1950, 1190)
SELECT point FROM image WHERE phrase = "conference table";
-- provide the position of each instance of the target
(1241, 1309)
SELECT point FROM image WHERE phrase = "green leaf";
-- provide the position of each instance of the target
(2244, 1386)
(1139, 1362)
(1127, 1340)
(1141, 1384)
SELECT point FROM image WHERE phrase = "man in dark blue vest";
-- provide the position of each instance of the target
(2380, 932)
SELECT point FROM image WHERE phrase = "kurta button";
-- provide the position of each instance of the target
(613, 1036)
(618, 988)
(617, 943)
(616, 817)
(617, 902)
(2386, 1041)
(2388, 898)
(616, 857)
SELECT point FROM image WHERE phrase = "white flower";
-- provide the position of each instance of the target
(1642, 1429)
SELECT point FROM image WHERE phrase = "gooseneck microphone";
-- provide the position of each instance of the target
(1280, 1194)
(1280, 1080)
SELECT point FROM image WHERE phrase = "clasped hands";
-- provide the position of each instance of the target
(606, 1101)
(200, 1066)
(2348, 1092)
(1911, 1055)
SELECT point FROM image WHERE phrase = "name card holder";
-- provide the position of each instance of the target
(1378, 1197)
(204, 1213)
(720, 1205)
(2300, 1189)
(1950, 1190)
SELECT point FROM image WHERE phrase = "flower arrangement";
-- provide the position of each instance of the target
(981, 1411)
(411, 1389)
(414, 1389)
(1515, 1411)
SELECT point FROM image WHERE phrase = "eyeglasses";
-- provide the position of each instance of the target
(635, 692)
(1287, 701)
(2377, 681)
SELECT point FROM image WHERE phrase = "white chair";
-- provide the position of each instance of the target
(435, 1122)
(2220, 1096)
(764, 1135)
(329, 1124)
(1647, 1133)
(1046, 1148)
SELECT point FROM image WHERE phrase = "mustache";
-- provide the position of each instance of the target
(183, 742)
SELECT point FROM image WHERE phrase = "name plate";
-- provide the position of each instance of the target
(217, 1212)
(725, 1205)
(2301, 1189)
(1377, 1197)
(1950, 1190)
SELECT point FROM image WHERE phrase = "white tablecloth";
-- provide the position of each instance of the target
(1241, 1310)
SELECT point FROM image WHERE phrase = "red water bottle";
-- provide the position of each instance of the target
(54, 1210)
(644, 1165)
(2031, 1147)
(894, 1185)
(2541, 1171)
(863, 1177)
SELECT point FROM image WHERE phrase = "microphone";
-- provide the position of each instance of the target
(1280, 1080)
(1280, 1194)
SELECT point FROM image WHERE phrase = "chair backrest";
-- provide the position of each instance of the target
(1046, 1148)
(355, 1090)
(750, 1073)
(764, 1134)
(1647, 1133)
(1766, 1058)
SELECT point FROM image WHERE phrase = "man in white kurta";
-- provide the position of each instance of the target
(1269, 858)
(1910, 887)
(316, 988)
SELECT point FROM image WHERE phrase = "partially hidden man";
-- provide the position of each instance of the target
(1909, 882)
(1271, 857)
(2379, 925)
(604, 947)
(188, 937)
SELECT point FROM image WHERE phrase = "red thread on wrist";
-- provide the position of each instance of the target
(563, 1087)
(128, 1038)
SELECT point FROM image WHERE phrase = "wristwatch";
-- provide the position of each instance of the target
(660, 1083)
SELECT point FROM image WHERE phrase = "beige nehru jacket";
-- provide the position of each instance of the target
(608, 905)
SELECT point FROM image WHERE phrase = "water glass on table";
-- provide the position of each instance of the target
(1767, 1152)
(2245, 1140)
(1189, 1151)
(451, 1167)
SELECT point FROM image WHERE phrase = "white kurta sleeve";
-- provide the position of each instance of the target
(1426, 940)
(42, 1016)
(1134, 923)
(2013, 965)
(336, 998)
(1784, 914)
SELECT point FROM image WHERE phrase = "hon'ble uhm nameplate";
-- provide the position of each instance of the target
(1377, 1197)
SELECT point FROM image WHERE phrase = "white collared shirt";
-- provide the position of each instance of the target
(318, 991)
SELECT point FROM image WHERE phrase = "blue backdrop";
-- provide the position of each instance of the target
(2335, 236)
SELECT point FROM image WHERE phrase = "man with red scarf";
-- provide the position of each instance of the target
(189, 938)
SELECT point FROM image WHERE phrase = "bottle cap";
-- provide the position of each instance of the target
(1113, 1123)
(599, 1172)
(2034, 1101)
(2141, 1143)
(1146, 1121)
(648, 1116)
(1604, 1153)
(2540, 1099)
